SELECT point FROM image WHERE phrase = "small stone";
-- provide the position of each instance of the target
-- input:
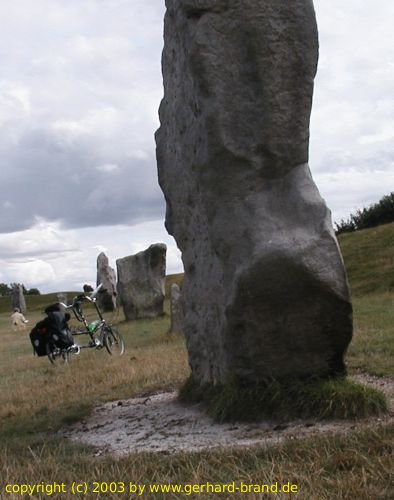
(107, 296)
(18, 298)
(176, 310)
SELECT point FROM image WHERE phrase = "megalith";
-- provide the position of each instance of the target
(106, 298)
(265, 292)
(62, 299)
(141, 282)
(18, 298)
(176, 325)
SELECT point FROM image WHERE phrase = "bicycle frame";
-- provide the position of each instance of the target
(76, 307)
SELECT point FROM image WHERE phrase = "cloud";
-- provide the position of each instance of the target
(34, 273)
(80, 96)
(66, 176)
(108, 168)
(351, 155)
(43, 239)
(82, 89)
(50, 257)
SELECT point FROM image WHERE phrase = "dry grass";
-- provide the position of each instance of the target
(358, 466)
(37, 395)
(37, 399)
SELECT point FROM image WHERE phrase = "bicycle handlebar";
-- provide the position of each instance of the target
(96, 291)
(82, 297)
(65, 305)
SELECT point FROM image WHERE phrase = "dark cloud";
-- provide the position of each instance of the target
(76, 184)
(78, 112)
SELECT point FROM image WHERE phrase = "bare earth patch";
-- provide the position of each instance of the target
(160, 423)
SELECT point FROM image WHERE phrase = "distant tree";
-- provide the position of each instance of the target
(5, 289)
(33, 291)
(345, 226)
(375, 215)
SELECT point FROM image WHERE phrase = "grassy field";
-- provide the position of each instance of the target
(37, 399)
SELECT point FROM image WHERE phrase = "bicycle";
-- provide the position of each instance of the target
(101, 334)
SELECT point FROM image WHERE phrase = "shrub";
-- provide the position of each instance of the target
(375, 215)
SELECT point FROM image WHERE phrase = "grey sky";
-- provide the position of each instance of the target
(79, 98)
(79, 91)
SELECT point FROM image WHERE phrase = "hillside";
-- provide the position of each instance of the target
(369, 259)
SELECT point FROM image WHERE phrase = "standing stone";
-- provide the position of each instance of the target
(176, 310)
(17, 298)
(265, 292)
(141, 281)
(62, 297)
(106, 298)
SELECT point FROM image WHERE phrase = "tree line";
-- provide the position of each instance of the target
(6, 290)
(372, 216)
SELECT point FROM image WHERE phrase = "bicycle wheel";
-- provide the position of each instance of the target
(56, 355)
(113, 341)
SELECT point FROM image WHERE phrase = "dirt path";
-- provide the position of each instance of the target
(160, 423)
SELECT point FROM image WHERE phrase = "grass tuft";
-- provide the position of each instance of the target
(315, 398)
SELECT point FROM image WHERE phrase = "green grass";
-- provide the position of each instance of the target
(369, 259)
(287, 400)
(372, 348)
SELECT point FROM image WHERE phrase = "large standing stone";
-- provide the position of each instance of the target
(106, 276)
(176, 326)
(141, 281)
(18, 298)
(265, 291)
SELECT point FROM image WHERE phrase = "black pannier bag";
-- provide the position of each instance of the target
(53, 329)
(39, 338)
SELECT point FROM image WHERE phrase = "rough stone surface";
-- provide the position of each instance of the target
(265, 292)
(17, 298)
(141, 281)
(106, 276)
(62, 297)
(176, 310)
